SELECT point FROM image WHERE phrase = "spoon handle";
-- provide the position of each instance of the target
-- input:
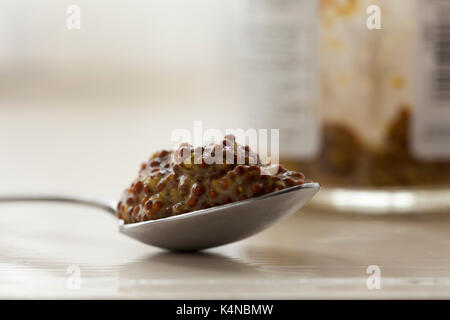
(106, 205)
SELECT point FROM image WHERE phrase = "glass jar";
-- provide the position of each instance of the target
(378, 130)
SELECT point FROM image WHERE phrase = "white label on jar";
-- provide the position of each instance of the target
(282, 72)
(431, 120)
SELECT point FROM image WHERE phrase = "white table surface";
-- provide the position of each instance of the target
(79, 148)
(309, 255)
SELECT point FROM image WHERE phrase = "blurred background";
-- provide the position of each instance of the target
(80, 109)
(359, 107)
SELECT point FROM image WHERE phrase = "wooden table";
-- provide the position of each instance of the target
(58, 251)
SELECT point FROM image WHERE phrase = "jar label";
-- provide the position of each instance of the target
(282, 73)
(431, 121)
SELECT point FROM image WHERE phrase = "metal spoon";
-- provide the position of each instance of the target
(203, 228)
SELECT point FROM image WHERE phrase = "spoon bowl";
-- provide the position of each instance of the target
(200, 229)
(223, 224)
